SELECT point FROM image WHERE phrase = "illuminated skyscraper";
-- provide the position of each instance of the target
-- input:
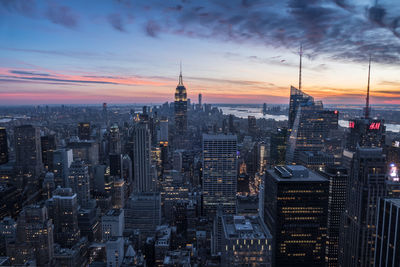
(297, 98)
(181, 107)
(296, 212)
(219, 173)
(367, 184)
(310, 127)
(365, 131)
(338, 181)
(3, 146)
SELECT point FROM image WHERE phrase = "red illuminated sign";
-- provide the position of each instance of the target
(351, 124)
(375, 126)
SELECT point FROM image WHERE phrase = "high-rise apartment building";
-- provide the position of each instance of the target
(219, 173)
(296, 212)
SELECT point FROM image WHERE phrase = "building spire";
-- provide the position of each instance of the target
(367, 98)
(180, 75)
(301, 57)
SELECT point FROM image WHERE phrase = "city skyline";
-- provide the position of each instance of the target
(126, 52)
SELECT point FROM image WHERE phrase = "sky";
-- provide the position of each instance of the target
(129, 51)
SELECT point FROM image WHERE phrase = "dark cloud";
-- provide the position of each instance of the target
(116, 21)
(152, 28)
(24, 7)
(21, 72)
(340, 29)
(62, 15)
(22, 78)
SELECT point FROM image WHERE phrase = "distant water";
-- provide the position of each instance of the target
(244, 112)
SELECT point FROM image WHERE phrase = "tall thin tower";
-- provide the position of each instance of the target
(367, 98)
(301, 59)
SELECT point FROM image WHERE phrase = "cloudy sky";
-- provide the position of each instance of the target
(232, 51)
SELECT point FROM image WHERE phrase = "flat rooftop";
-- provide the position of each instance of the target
(295, 173)
(245, 227)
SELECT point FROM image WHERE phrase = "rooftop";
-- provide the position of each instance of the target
(294, 173)
(245, 227)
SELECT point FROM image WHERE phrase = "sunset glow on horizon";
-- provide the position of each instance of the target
(84, 52)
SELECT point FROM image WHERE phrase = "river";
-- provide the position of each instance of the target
(244, 112)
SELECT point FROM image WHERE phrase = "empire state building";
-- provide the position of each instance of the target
(180, 108)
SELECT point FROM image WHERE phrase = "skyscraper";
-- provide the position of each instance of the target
(387, 246)
(338, 182)
(143, 178)
(48, 145)
(180, 107)
(365, 131)
(34, 233)
(3, 146)
(115, 140)
(311, 125)
(297, 98)
(63, 209)
(219, 173)
(27, 146)
(62, 160)
(84, 130)
(79, 181)
(367, 185)
(143, 212)
(28, 156)
(200, 99)
(296, 211)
